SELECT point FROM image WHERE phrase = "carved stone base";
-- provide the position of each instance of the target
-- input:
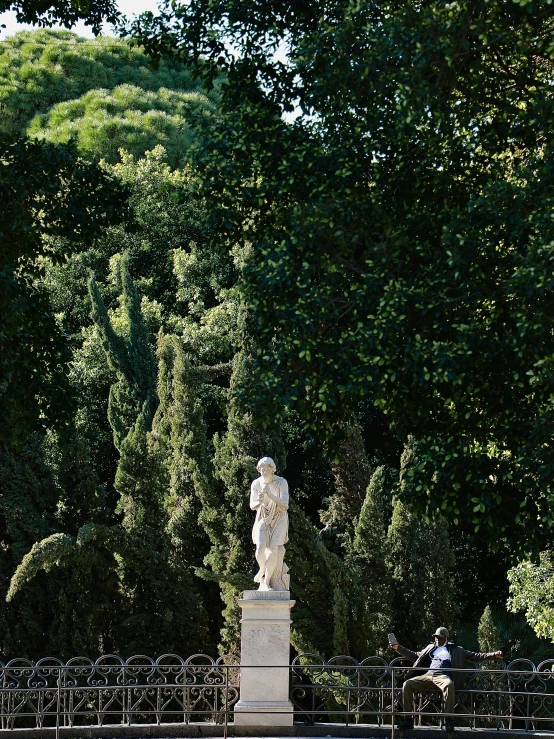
(265, 658)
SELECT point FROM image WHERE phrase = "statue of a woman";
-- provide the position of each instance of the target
(269, 497)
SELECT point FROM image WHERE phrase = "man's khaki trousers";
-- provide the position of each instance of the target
(424, 683)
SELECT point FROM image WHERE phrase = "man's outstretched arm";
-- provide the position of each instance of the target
(405, 652)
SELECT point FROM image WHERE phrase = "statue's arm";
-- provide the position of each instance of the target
(283, 493)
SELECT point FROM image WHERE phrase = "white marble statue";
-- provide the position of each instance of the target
(269, 497)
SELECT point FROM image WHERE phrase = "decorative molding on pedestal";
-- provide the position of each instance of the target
(264, 659)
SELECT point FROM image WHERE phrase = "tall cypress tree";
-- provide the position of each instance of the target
(487, 632)
(159, 609)
(232, 558)
(352, 473)
(369, 553)
(164, 608)
(179, 436)
(328, 617)
(422, 567)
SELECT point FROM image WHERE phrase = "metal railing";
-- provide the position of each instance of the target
(51, 694)
(340, 691)
(496, 695)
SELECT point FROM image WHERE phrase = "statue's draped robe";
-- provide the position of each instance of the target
(272, 520)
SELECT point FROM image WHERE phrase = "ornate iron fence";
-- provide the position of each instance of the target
(341, 690)
(140, 690)
(496, 695)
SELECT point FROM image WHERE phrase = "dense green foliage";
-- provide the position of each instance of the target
(489, 639)
(101, 93)
(129, 528)
(512, 634)
(102, 122)
(531, 591)
(400, 225)
(369, 553)
(422, 565)
(158, 606)
(52, 203)
(148, 496)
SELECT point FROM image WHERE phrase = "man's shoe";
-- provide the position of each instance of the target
(449, 724)
(406, 723)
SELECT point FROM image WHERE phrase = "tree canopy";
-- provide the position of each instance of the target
(391, 165)
(102, 122)
(52, 202)
(47, 12)
(101, 95)
(41, 70)
(132, 520)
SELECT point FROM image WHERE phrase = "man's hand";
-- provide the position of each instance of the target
(395, 646)
(498, 654)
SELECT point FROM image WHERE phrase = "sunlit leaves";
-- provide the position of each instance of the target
(532, 591)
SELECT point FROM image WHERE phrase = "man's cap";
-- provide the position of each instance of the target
(441, 631)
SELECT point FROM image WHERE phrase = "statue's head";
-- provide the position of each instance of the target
(266, 462)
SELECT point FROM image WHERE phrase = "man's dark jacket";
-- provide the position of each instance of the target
(457, 656)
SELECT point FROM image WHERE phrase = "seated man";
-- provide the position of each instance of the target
(439, 657)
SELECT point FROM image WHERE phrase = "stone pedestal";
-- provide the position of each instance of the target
(265, 657)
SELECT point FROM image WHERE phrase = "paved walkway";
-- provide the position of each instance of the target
(327, 731)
